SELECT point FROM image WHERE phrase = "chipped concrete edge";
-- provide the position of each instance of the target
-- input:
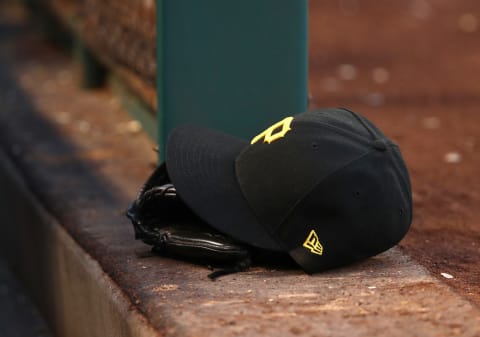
(73, 293)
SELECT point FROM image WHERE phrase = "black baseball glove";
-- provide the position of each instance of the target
(162, 220)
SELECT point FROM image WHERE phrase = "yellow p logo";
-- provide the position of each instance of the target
(313, 244)
(276, 131)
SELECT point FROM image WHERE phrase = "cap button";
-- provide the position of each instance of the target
(379, 144)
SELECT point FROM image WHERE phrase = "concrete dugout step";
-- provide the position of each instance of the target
(71, 162)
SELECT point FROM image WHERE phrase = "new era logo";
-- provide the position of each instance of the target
(313, 244)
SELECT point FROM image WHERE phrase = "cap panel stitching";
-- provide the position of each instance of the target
(403, 179)
(315, 185)
(343, 132)
(363, 122)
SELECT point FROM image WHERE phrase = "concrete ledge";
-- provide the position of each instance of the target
(73, 291)
(79, 299)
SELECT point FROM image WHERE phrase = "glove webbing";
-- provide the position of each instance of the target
(162, 220)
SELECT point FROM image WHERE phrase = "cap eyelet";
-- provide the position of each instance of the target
(357, 194)
(314, 145)
(380, 145)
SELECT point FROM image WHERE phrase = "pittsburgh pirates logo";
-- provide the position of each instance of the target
(276, 131)
(312, 243)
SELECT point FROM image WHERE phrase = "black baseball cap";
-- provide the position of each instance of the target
(326, 186)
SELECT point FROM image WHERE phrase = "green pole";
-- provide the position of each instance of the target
(235, 66)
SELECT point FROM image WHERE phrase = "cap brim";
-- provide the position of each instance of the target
(201, 165)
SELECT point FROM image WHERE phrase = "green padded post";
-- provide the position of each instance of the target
(235, 66)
